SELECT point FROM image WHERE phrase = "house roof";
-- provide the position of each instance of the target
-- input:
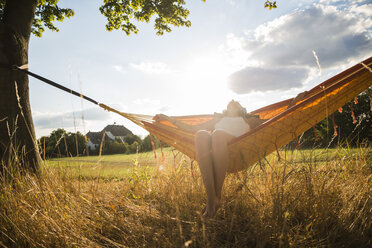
(95, 137)
(117, 130)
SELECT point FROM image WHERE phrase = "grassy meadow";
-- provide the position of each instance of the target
(310, 198)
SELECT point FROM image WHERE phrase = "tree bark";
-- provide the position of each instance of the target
(17, 134)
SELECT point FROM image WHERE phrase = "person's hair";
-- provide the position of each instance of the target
(243, 112)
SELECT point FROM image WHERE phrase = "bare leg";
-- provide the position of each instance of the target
(220, 156)
(203, 142)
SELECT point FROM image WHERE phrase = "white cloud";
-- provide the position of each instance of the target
(284, 47)
(152, 67)
(362, 9)
(118, 68)
(69, 119)
(326, 30)
(252, 79)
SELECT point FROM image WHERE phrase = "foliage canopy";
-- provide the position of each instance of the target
(47, 12)
(120, 14)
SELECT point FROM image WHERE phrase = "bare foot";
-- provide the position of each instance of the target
(210, 211)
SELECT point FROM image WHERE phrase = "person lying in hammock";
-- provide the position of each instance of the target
(211, 144)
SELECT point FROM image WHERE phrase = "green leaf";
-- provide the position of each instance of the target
(121, 14)
(47, 13)
(270, 5)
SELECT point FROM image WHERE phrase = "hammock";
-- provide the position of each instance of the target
(283, 125)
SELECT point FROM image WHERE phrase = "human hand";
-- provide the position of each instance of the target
(298, 98)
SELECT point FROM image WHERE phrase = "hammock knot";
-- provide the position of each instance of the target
(367, 67)
(105, 107)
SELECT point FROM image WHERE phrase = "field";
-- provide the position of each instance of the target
(310, 198)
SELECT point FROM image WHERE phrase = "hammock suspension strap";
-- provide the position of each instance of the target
(136, 118)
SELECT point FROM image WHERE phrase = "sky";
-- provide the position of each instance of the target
(235, 49)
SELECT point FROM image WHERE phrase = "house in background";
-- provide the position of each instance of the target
(116, 132)
(94, 139)
(111, 132)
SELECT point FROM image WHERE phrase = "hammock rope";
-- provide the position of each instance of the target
(284, 122)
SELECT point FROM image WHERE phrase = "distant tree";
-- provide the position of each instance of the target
(147, 145)
(114, 147)
(134, 147)
(62, 144)
(130, 138)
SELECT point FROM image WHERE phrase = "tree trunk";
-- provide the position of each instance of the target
(17, 134)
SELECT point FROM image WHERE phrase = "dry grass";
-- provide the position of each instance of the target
(273, 204)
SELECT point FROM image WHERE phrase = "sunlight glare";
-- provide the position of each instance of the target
(205, 78)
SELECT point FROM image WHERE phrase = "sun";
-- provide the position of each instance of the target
(206, 78)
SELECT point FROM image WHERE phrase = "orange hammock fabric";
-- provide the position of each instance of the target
(283, 125)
